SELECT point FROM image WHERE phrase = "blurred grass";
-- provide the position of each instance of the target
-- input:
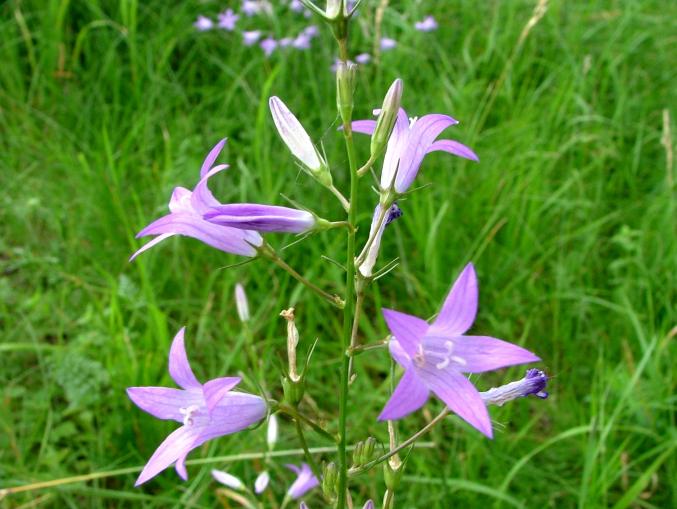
(106, 106)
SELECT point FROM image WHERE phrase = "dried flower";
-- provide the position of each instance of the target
(185, 217)
(435, 356)
(206, 411)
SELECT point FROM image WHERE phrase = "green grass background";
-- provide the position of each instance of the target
(570, 219)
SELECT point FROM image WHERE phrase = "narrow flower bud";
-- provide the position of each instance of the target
(329, 480)
(261, 482)
(297, 140)
(271, 436)
(386, 118)
(227, 479)
(345, 86)
(336, 8)
(241, 303)
(534, 382)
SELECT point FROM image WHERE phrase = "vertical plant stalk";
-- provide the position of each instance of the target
(349, 306)
(304, 445)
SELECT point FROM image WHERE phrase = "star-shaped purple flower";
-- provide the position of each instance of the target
(206, 411)
(185, 217)
(228, 20)
(305, 481)
(409, 143)
(435, 356)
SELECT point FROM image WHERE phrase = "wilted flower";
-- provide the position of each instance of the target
(203, 23)
(228, 19)
(427, 25)
(268, 45)
(295, 136)
(250, 37)
(533, 383)
(227, 479)
(435, 356)
(393, 213)
(408, 145)
(185, 217)
(305, 481)
(206, 411)
(363, 58)
(241, 303)
(262, 218)
(387, 43)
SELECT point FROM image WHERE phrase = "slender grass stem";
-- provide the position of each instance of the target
(304, 445)
(298, 416)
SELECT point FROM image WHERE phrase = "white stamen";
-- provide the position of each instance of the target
(188, 414)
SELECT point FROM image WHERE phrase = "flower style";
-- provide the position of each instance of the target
(305, 481)
(435, 356)
(206, 411)
(409, 143)
(228, 20)
(262, 218)
(295, 136)
(185, 217)
(428, 24)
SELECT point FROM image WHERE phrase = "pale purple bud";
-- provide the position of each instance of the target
(261, 482)
(311, 31)
(363, 58)
(268, 45)
(250, 37)
(302, 41)
(427, 25)
(251, 7)
(386, 118)
(241, 303)
(296, 6)
(285, 41)
(387, 43)
(227, 479)
(534, 382)
(228, 19)
(203, 23)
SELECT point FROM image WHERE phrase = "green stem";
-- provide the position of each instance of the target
(304, 445)
(267, 251)
(298, 416)
(348, 310)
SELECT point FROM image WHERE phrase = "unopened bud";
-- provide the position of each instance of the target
(261, 482)
(387, 118)
(227, 479)
(357, 454)
(345, 86)
(392, 473)
(368, 451)
(241, 303)
(336, 8)
(329, 480)
(271, 436)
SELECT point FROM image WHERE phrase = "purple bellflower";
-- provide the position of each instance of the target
(305, 481)
(228, 19)
(409, 143)
(301, 41)
(185, 217)
(435, 356)
(387, 44)
(427, 25)
(363, 58)
(203, 23)
(262, 218)
(250, 37)
(268, 45)
(206, 411)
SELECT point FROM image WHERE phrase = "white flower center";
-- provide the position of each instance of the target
(441, 359)
(188, 414)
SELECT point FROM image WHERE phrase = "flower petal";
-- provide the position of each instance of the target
(305, 481)
(396, 145)
(264, 218)
(458, 394)
(421, 136)
(364, 126)
(215, 390)
(460, 307)
(164, 402)
(211, 157)
(179, 367)
(484, 353)
(150, 244)
(223, 238)
(453, 147)
(177, 445)
(409, 395)
(234, 412)
(408, 329)
(202, 198)
(294, 135)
